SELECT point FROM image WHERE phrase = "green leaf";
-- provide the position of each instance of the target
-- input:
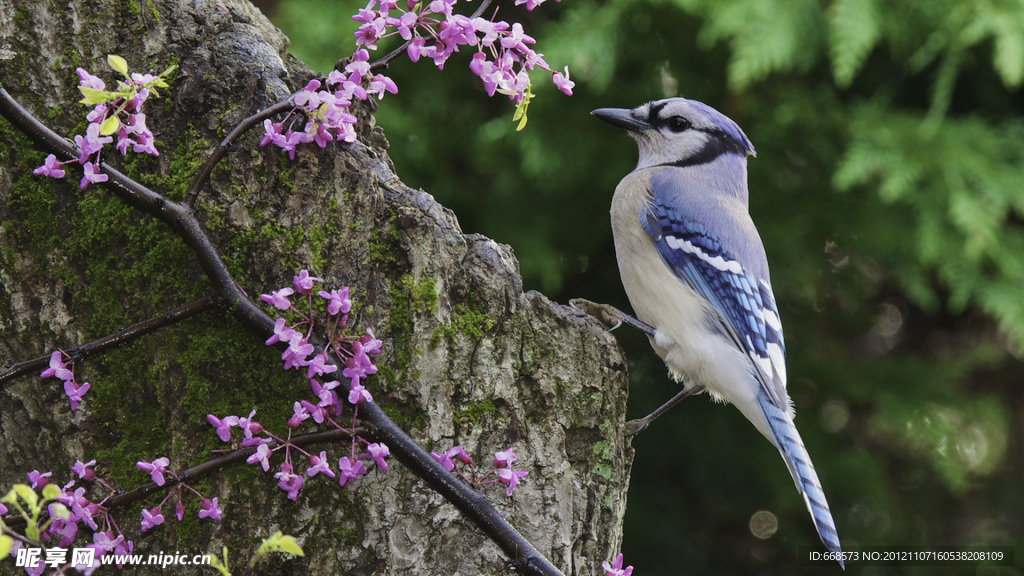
(765, 37)
(26, 493)
(60, 511)
(109, 126)
(520, 113)
(221, 565)
(1008, 57)
(94, 96)
(118, 64)
(280, 543)
(290, 545)
(6, 543)
(51, 492)
(854, 32)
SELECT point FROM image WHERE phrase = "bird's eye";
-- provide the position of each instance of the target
(678, 124)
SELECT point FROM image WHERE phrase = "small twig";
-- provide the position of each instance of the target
(116, 339)
(480, 9)
(226, 144)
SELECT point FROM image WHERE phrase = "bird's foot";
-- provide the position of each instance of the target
(634, 427)
(610, 315)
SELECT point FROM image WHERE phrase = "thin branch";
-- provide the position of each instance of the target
(480, 9)
(215, 464)
(182, 219)
(383, 61)
(227, 143)
(116, 339)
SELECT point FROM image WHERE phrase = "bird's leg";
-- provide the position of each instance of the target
(613, 317)
(634, 427)
(610, 315)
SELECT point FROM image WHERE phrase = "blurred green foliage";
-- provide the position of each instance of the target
(889, 190)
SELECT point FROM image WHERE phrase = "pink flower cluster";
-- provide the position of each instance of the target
(502, 465)
(152, 517)
(59, 369)
(502, 57)
(327, 405)
(82, 514)
(115, 113)
(324, 107)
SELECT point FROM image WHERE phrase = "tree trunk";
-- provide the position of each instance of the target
(469, 358)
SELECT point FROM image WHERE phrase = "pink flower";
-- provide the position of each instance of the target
(318, 365)
(299, 414)
(84, 471)
(278, 299)
(107, 540)
(66, 529)
(156, 469)
(297, 352)
(82, 509)
(271, 133)
(304, 282)
(151, 518)
(290, 483)
(616, 568)
(380, 84)
(316, 412)
(74, 392)
(453, 452)
(209, 509)
(89, 81)
(349, 470)
(337, 301)
(223, 426)
(358, 394)
(562, 82)
(504, 458)
(510, 478)
(319, 465)
(57, 368)
(281, 333)
(38, 479)
(415, 46)
(248, 426)
(92, 175)
(261, 455)
(378, 452)
(51, 167)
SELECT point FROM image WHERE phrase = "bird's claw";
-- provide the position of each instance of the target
(634, 427)
(609, 315)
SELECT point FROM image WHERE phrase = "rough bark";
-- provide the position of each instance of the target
(469, 357)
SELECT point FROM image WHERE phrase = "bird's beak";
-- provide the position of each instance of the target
(622, 118)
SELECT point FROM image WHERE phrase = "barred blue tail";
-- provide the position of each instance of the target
(787, 439)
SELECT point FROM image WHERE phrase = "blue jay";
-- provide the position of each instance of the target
(695, 271)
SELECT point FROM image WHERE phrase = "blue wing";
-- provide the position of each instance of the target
(746, 308)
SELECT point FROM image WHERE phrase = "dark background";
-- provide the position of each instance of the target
(889, 191)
